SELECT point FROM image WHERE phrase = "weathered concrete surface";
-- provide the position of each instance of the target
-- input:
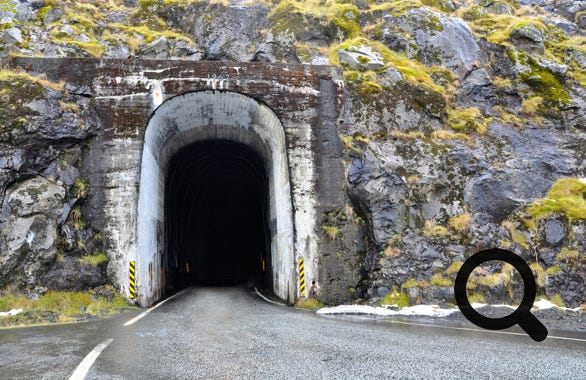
(288, 113)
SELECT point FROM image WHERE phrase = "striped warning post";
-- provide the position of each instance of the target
(301, 277)
(131, 274)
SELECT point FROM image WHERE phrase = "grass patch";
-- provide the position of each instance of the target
(94, 260)
(348, 141)
(468, 120)
(364, 82)
(566, 196)
(501, 82)
(411, 135)
(490, 280)
(412, 283)
(475, 298)
(148, 34)
(400, 7)
(454, 268)
(331, 231)
(431, 230)
(439, 280)
(81, 188)
(460, 223)
(76, 218)
(309, 303)
(94, 48)
(392, 251)
(395, 298)
(497, 28)
(291, 17)
(532, 105)
(570, 255)
(411, 70)
(61, 306)
(444, 135)
(10, 74)
(556, 299)
(507, 117)
(539, 273)
(516, 236)
(68, 107)
(553, 270)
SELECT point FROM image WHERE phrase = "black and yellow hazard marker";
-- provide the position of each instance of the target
(301, 277)
(187, 267)
(131, 273)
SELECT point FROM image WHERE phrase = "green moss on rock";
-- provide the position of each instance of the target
(567, 196)
(543, 82)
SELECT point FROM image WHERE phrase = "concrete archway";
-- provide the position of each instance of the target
(212, 115)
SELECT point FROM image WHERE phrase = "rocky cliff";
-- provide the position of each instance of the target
(464, 129)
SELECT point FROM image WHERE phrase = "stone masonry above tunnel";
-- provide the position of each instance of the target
(151, 110)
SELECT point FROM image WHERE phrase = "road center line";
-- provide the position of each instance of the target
(463, 328)
(144, 313)
(82, 369)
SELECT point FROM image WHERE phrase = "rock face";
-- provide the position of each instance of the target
(458, 127)
(29, 234)
(435, 39)
(42, 137)
(361, 57)
(382, 195)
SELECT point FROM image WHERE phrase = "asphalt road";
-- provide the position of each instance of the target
(230, 333)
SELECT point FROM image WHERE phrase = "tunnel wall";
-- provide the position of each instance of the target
(288, 113)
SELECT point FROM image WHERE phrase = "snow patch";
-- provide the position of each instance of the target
(423, 310)
(476, 305)
(543, 304)
(10, 313)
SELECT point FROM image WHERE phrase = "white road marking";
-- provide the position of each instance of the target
(463, 328)
(144, 313)
(268, 300)
(82, 369)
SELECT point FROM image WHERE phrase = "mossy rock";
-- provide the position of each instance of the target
(542, 82)
(287, 18)
(15, 94)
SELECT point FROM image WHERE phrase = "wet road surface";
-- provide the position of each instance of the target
(230, 333)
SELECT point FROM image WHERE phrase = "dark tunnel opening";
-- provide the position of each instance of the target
(216, 216)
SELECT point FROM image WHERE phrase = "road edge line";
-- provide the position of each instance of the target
(266, 299)
(144, 313)
(82, 368)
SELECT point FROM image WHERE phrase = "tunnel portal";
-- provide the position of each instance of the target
(145, 112)
(216, 216)
(214, 196)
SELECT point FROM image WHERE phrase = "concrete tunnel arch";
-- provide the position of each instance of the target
(212, 115)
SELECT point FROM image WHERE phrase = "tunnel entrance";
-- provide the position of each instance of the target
(216, 216)
(214, 195)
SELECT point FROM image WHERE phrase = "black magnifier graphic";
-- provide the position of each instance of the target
(521, 316)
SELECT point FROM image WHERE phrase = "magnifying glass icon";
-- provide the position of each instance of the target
(521, 316)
